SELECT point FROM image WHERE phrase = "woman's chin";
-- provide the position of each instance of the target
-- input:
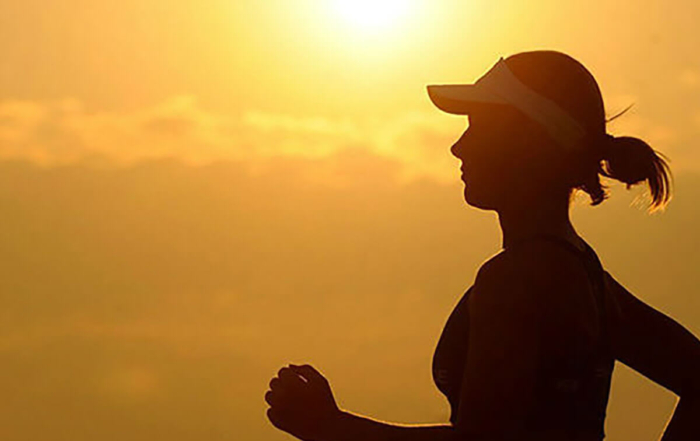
(475, 201)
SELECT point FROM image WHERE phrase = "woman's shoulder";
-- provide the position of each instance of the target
(538, 268)
(534, 257)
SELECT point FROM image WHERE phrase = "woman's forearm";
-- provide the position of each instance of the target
(352, 427)
(684, 425)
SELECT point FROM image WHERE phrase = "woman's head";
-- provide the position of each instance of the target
(512, 152)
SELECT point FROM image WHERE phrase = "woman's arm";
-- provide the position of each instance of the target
(302, 404)
(352, 427)
(662, 350)
(684, 424)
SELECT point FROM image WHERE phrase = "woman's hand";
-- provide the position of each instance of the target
(301, 403)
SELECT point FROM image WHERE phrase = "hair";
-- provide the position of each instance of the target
(627, 159)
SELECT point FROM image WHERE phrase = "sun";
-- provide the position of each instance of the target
(373, 15)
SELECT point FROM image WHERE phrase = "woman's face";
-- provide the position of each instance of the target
(505, 157)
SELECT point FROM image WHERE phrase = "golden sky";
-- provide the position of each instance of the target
(197, 193)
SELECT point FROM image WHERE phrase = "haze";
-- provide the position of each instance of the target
(195, 194)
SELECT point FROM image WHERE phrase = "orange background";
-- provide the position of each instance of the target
(195, 194)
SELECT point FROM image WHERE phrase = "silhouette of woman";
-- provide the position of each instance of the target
(529, 350)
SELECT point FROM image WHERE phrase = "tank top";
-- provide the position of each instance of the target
(571, 394)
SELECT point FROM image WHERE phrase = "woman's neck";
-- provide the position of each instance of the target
(526, 219)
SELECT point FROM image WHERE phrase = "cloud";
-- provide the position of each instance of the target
(418, 141)
(310, 125)
(18, 118)
(64, 132)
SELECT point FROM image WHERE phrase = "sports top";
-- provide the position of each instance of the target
(572, 393)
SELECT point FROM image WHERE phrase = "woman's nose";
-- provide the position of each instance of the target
(457, 148)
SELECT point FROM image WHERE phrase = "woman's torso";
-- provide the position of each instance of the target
(574, 377)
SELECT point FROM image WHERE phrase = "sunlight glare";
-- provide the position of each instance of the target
(373, 14)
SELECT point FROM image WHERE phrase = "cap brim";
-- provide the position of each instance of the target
(461, 99)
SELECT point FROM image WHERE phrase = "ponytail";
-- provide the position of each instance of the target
(632, 161)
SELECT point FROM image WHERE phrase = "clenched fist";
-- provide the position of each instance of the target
(301, 403)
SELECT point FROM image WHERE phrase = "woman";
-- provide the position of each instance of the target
(528, 352)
